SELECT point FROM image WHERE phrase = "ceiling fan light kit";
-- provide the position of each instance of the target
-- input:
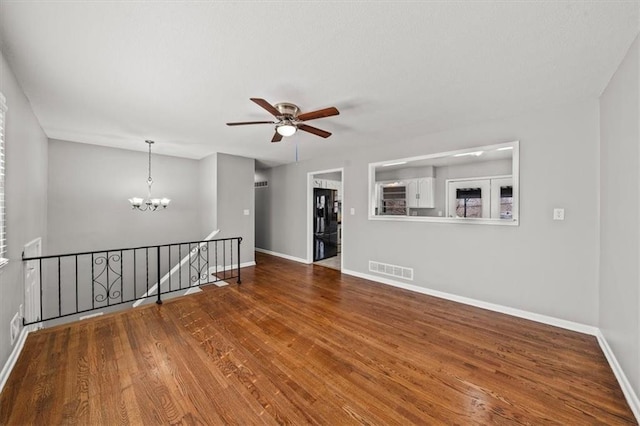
(290, 120)
(149, 204)
(286, 128)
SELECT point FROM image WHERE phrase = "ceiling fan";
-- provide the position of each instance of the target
(290, 119)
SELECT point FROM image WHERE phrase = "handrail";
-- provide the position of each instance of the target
(126, 248)
(75, 283)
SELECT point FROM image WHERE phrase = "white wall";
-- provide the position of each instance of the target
(620, 215)
(89, 188)
(26, 195)
(542, 266)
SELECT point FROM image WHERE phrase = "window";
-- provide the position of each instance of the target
(486, 198)
(468, 202)
(3, 226)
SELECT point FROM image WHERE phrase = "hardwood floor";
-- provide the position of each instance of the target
(304, 344)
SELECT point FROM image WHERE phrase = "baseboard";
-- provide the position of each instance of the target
(544, 319)
(282, 255)
(627, 389)
(13, 357)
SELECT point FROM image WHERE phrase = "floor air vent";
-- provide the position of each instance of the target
(393, 270)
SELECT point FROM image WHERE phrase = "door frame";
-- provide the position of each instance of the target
(310, 177)
(32, 249)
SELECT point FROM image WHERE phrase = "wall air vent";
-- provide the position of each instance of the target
(261, 184)
(393, 270)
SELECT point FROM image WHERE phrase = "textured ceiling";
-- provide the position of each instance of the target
(117, 73)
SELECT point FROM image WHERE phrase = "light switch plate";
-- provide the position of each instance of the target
(246, 212)
(558, 214)
(352, 211)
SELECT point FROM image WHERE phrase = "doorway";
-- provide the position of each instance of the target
(324, 218)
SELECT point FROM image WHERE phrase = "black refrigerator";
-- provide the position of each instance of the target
(325, 223)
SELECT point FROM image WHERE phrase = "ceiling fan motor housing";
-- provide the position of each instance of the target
(287, 110)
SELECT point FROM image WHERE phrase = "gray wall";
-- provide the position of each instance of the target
(335, 176)
(235, 194)
(26, 196)
(89, 188)
(620, 215)
(542, 266)
(208, 170)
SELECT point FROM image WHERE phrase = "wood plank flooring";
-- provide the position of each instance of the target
(299, 344)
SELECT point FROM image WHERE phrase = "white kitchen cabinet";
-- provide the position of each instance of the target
(420, 193)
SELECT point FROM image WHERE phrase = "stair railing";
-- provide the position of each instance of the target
(77, 283)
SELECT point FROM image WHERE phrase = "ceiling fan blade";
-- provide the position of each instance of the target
(277, 137)
(314, 130)
(242, 123)
(266, 105)
(321, 113)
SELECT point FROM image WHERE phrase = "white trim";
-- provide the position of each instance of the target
(544, 319)
(627, 389)
(13, 358)
(282, 255)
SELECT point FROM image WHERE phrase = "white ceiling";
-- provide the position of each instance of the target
(117, 73)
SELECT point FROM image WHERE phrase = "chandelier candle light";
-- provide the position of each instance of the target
(150, 204)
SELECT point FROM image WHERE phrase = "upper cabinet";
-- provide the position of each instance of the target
(475, 185)
(420, 193)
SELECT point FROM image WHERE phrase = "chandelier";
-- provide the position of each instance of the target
(150, 204)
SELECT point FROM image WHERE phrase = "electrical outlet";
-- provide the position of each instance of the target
(558, 214)
(14, 328)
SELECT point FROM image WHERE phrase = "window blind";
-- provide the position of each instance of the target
(3, 226)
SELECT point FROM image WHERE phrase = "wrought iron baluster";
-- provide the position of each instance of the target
(93, 284)
(147, 266)
(41, 290)
(224, 260)
(239, 241)
(59, 289)
(159, 288)
(121, 279)
(170, 268)
(135, 274)
(216, 249)
(208, 264)
(180, 265)
(108, 292)
(76, 264)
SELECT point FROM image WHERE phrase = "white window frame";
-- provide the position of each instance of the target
(3, 217)
(490, 186)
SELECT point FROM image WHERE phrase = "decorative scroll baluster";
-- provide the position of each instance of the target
(104, 278)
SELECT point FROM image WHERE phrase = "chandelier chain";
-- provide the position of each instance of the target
(149, 179)
(150, 204)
